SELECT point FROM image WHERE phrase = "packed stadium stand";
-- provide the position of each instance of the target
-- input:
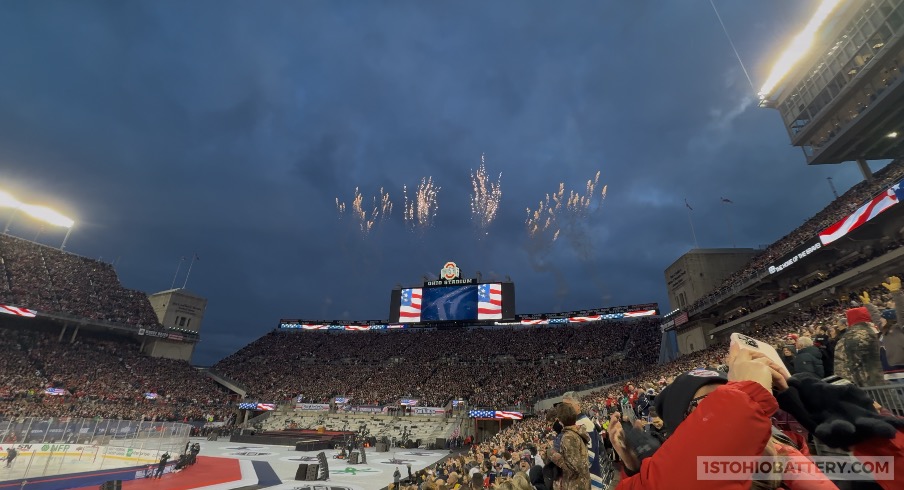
(100, 375)
(493, 367)
(90, 371)
(50, 280)
(834, 211)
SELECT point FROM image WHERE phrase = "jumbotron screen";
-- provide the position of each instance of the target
(451, 303)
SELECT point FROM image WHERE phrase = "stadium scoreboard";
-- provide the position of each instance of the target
(454, 301)
(451, 298)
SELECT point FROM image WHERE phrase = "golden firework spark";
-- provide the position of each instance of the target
(420, 211)
(367, 218)
(560, 209)
(485, 196)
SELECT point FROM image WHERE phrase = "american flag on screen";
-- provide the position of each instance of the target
(12, 310)
(357, 327)
(866, 212)
(266, 406)
(309, 326)
(489, 302)
(410, 310)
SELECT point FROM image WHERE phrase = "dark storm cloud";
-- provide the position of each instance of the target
(228, 129)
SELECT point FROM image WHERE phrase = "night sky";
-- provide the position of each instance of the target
(228, 129)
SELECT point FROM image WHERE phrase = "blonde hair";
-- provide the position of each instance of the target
(805, 342)
(521, 481)
(775, 479)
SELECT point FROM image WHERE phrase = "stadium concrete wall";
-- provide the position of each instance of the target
(181, 351)
(692, 340)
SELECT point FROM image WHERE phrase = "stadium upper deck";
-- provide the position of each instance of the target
(838, 86)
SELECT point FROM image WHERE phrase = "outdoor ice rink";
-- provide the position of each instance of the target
(250, 464)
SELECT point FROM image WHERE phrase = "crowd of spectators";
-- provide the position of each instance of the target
(831, 214)
(490, 367)
(513, 449)
(100, 376)
(821, 321)
(800, 284)
(50, 280)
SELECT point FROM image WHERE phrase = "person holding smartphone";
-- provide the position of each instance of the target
(571, 455)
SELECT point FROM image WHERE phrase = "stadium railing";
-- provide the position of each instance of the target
(890, 396)
(588, 386)
(54, 446)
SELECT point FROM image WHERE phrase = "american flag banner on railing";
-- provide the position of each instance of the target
(535, 322)
(14, 310)
(634, 314)
(257, 406)
(509, 415)
(582, 319)
(495, 414)
(865, 213)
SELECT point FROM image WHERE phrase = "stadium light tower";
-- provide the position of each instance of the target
(8, 201)
(838, 85)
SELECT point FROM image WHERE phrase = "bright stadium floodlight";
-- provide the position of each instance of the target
(41, 213)
(8, 201)
(47, 215)
(798, 47)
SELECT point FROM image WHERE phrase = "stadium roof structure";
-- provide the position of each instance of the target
(839, 86)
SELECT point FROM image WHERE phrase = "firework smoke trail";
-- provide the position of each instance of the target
(485, 197)
(420, 211)
(563, 215)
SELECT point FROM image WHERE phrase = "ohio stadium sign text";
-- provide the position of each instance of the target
(793, 259)
(450, 275)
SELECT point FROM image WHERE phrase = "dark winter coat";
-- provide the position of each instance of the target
(809, 360)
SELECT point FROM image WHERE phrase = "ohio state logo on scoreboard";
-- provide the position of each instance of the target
(450, 271)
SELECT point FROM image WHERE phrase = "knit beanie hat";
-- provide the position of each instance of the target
(857, 315)
(674, 400)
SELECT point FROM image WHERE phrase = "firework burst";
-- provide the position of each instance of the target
(367, 215)
(420, 210)
(485, 196)
(559, 209)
